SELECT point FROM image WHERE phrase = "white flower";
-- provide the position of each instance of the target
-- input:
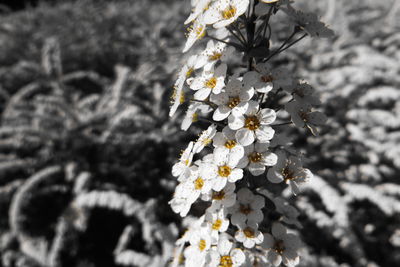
(213, 52)
(192, 114)
(290, 170)
(181, 201)
(281, 246)
(234, 99)
(224, 198)
(227, 139)
(267, 78)
(289, 213)
(308, 22)
(249, 235)
(253, 124)
(205, 138)
(257, 157)
(198, 8)
(247, 208)
(304, 93)
(189, 190)
(178, 96)
(223, 12)
(256, 259)
(200, 242)
(226, 255)
(222, 169)
(195, 32)
(184, 163)
(209, 81)
(303, 116)
(216, 222)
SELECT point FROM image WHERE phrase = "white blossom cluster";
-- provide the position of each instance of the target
(241, 145)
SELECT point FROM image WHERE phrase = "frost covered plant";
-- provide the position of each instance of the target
(244, 149)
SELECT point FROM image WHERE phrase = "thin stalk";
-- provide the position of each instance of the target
(281, 49)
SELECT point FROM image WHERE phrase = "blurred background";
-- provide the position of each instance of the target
(86, 144)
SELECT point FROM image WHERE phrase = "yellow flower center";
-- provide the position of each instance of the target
(211, 83)
(215, 56)
(255, 157)
(198, 183)
(217, 225)
(229, 12)
(233, 101)
(200, 32)
(218, 195)
(181, 98)
(202, 245)
(206, 141)
(267, 78)
(224, 171)
(195, 117)
(225, 261)
(189, 72)
(230, 144)
(245, 209)
(303, 115)
(248, 232)
(287, 173)
(279, 247)
(252, 123)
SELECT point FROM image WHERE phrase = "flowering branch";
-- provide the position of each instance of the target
(235, 229)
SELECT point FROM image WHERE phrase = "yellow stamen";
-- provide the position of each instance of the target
(211, 83)
(267, 78)
(217, 224)
(233, 102)
(279, 247)
(202, 245)
(224, 171)
(252, 123)
(189, 72)
(198, 183)
(230, 144)
(245, 209)
(229, 13)
(195, 117)
(218, 195)
(255, 157)
(215, 56)
(225, 261)
(248, 232)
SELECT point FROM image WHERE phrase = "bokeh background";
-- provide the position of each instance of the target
(86, 145)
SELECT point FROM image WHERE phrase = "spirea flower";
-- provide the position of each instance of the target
(214, 52)
(253, 124)
(226, 255)
(184, 163)
(222, 169)
(257, 158)
(302, 116)
(223, 12)
(178, 96)
(289, 170)
(205, 138)
(224, 198)
(247, 208)
(234, 99)
(281, 246)
(309, 22)
(209, 81)
(249, 235)
(195, 32)
(227, 140)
